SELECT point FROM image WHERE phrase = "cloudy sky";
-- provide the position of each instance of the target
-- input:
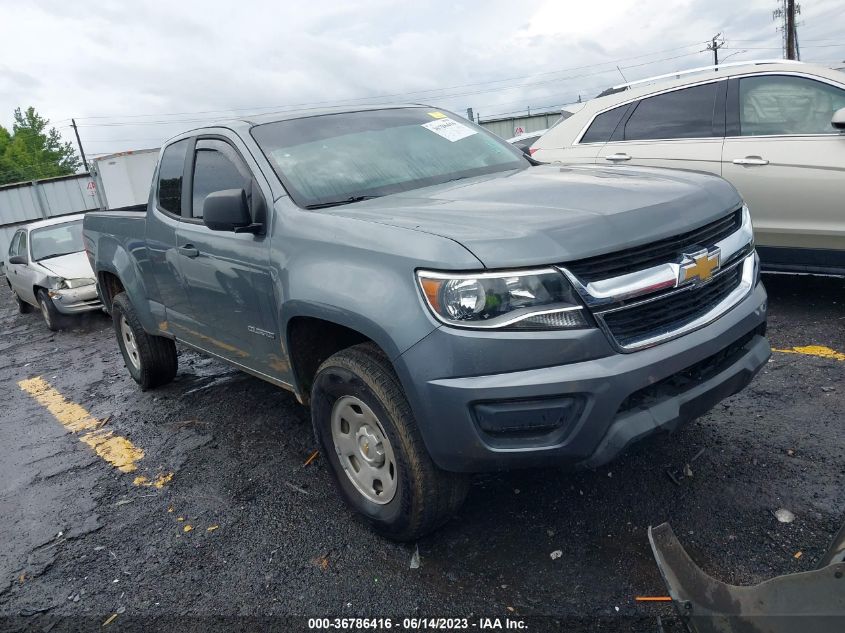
(135, 73)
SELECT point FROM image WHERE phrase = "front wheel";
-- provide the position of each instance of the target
(54, 319)
(151, 360)
(368, 434)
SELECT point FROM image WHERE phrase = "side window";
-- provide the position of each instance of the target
(686, 113)
(170, 177)
(773, 104)
(217, 167)
(603, 126)
(22, 245)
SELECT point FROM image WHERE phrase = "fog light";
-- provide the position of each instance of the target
(527, 419)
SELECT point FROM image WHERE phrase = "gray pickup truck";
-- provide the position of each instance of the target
(445, 304)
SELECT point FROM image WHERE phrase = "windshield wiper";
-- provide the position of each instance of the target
(41, 259)
(336, 203)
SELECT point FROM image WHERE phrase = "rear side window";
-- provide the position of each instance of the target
(216, 168)
(170, 177)
(686, 113)
(603, 125)
(779, 104)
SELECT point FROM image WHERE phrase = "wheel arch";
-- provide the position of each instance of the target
(312, 336)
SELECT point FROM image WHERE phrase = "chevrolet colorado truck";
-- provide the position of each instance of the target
(444, 304)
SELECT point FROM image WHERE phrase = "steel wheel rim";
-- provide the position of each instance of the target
(364, 450)
(44, 311)
(129, 343)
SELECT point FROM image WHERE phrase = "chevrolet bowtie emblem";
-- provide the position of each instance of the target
(700, 265)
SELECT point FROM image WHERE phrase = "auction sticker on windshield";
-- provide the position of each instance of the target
(449, 129)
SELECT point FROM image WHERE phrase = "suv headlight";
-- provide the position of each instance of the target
(517, 300)
(76, 283)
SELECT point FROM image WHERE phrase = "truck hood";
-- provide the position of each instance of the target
(71, 266)
(554, 214)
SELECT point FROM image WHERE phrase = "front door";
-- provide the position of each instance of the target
(227, 274)
(788, 162)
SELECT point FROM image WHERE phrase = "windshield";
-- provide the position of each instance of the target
(342, 158)
(52, 241)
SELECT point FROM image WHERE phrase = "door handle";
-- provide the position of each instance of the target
(188, 250)
(750, 160)
(617, 157)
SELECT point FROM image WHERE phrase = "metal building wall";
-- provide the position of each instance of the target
(27, 202)
(505, 127)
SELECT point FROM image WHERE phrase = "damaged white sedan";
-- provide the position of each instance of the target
(47, 268)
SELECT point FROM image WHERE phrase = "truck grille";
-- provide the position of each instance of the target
(656, 318)
(642, 257)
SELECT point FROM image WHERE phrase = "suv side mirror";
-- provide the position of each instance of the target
(17, 259)
(838, 120)
(228, 210)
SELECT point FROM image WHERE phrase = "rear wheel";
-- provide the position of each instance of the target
(23, 306)
(151, 360)
(54, 319)
(368, 434)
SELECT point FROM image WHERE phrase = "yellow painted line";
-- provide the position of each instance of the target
(159, 482)
(71, 415)
(114, 449)
(813, 350)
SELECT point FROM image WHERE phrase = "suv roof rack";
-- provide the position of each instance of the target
(700, 69)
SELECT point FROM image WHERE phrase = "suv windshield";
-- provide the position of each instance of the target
(53, 241)
(341, 158)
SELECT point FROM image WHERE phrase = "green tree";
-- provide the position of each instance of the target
(33, 151)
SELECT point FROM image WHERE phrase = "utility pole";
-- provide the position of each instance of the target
(714, 45)
(790, 29)
(787, 12)
(79, 143)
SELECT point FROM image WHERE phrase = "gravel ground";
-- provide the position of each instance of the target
(81, 542)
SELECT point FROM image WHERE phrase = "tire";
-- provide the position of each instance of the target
(23, 306)
(359, 383)
(54, 319)
(151, 360)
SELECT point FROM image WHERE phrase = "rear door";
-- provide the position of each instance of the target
(788, 162)
(164, 260)
(564, 144)
(227, 275)
(16, 273)
(681, 129)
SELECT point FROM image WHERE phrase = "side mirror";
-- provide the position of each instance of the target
(228, 210)
(838, 120)
(17, 259)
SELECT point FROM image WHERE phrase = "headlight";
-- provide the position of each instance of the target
(524, 300)
(746, 216)
(76, 283)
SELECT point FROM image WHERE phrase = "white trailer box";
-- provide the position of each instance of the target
(124, 179)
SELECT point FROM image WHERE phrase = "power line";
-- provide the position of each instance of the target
(316, 105)
(384, 96)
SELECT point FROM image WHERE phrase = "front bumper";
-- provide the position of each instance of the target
(76, 300)
(603, 400)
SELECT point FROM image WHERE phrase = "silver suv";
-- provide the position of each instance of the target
(774, 129)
